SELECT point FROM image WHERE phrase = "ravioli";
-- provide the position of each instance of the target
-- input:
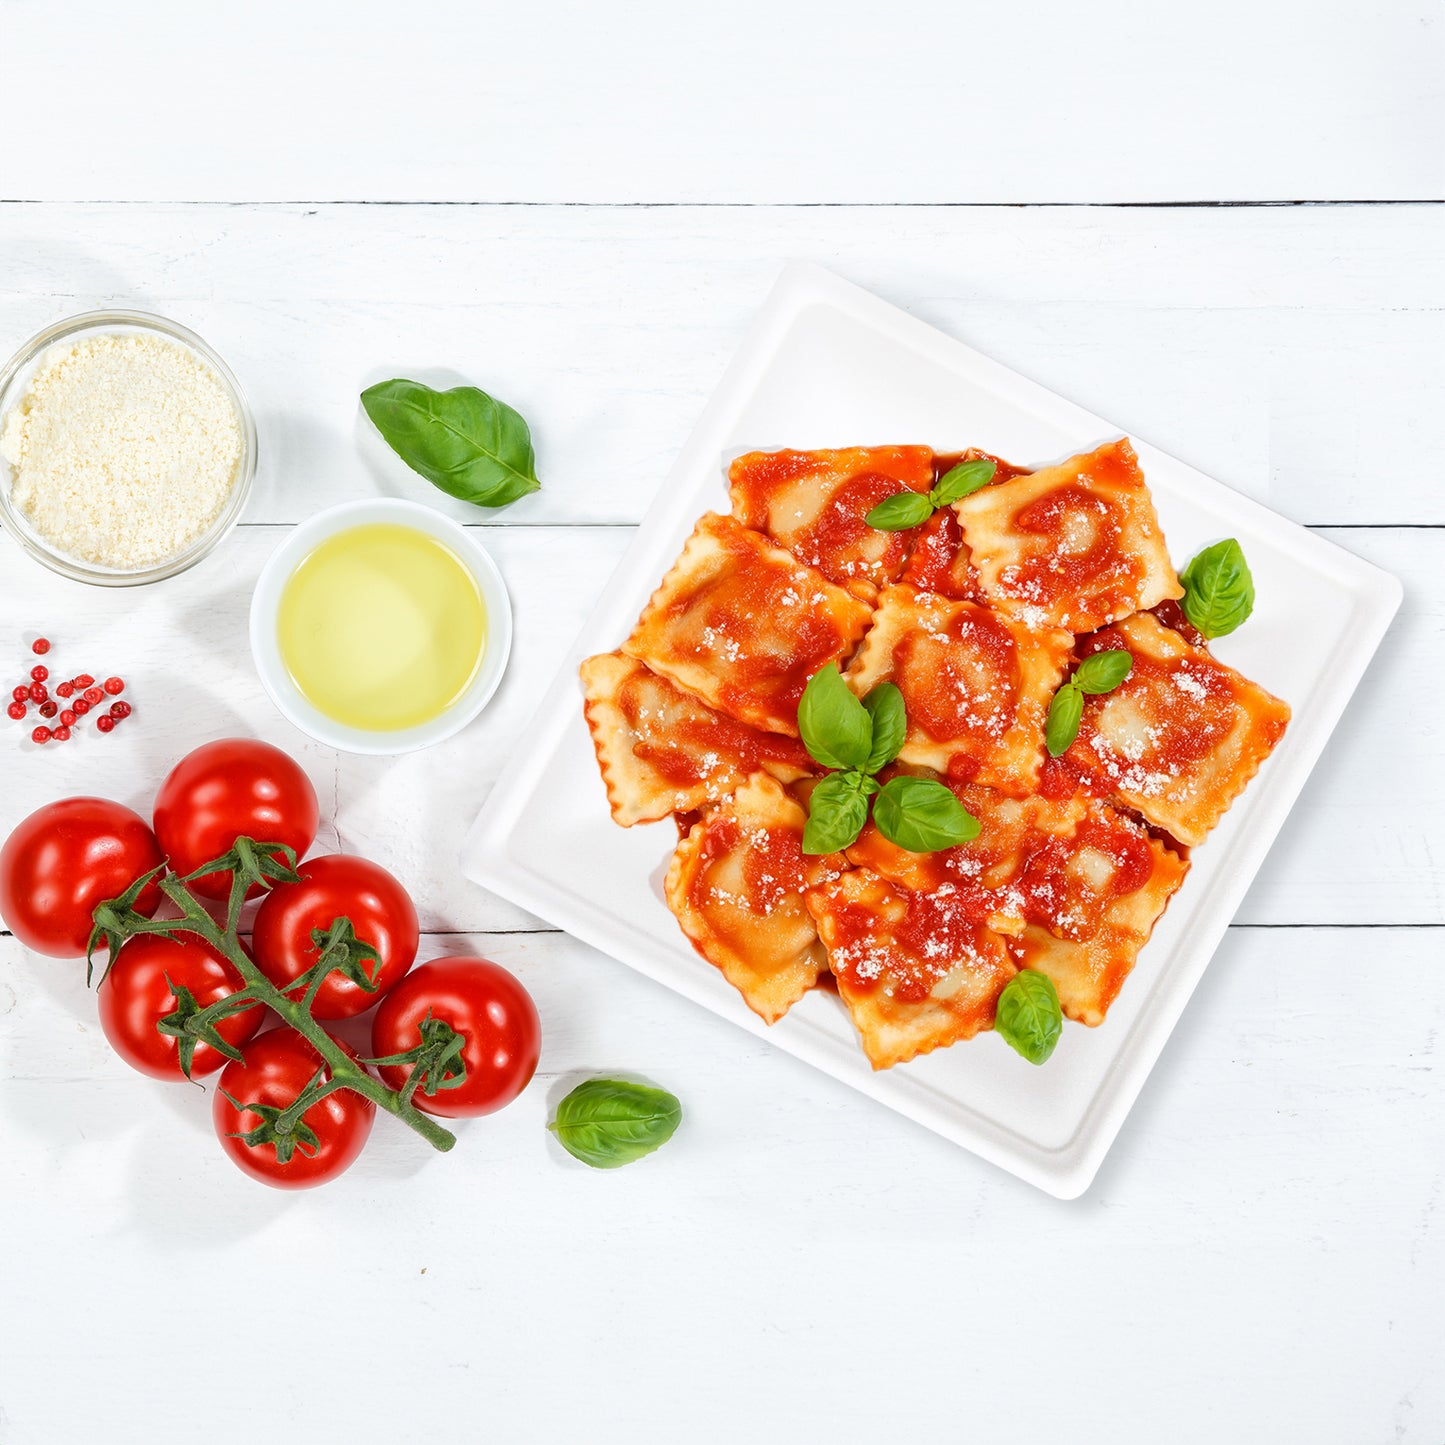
(1180, 737)
(735, 885)
(814, 504)
(976, 616)
(742, 624)
(976, 685)
(663, 751)
(986, 871)
(917, 971)
(1075, 546)
(1073, 886)
(1092, 901)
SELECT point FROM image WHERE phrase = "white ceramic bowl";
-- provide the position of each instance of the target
(266, 650)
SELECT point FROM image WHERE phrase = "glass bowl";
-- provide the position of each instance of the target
(16, 378)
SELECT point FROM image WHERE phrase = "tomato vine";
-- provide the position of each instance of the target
(435, 1063)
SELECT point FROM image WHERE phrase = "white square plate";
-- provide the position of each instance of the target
(827, 364)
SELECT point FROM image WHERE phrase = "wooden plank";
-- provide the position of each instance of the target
(1269, 1218)
(1363, 844)
(1294, 353)
(653, 101)
(1361, 847)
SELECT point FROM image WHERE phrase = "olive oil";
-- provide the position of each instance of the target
(382, 627)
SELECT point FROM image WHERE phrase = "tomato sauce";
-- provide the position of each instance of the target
(935, 935)
(842, 546)
(1055, 897)
(759, 473)
(932, 934)
(960, 680)
(686, 748)
(1058, 572)
(1060, 778)
(1188, 720)
(765, 625)
(944, 462)
(773, 863)
(1171, 615)
(940, 561)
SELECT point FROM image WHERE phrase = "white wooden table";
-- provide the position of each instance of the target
(579, 208)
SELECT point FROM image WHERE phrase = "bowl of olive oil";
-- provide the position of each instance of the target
(380, 627)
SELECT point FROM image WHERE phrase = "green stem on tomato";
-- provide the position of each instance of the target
(344, 1072)
(296, 1014)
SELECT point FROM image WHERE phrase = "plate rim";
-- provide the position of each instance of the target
(1065, 1170)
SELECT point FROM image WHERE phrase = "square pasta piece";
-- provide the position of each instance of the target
(976, 684)
(814, 503)
(735, 885)
(743, 625)
(662, 751)
(1180, 737)
(916, 971)
(1092, 902)
(940, 561)
(1074, 546)
(984, 872)
(1070, 879)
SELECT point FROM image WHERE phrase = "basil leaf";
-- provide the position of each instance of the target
(608, 1122)
(1029, 1018)
(922, 816)
(961, 481)
(837, 811)
(900, 512)
(836, 728)
(1066, 712)
(1218, 589)
(463, 441)
(1102, 672)
(890, 725)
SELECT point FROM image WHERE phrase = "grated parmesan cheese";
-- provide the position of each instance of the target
(125, 449)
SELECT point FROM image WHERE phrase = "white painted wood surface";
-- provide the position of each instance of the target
(763, 101)
(1261, 1258)
(1292, 352)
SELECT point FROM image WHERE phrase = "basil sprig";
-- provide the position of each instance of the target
(837, 729)
(857, 739)
(467, 443)
(922, 816)
(1029, 1019)
(837, 811)
(912, 509)
(607, 1123)
(1218, 589)
(1099, 673)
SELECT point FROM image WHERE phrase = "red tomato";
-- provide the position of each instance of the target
(223, 790)
(481, 1001)
(381, 914)
(279, 1064)
(137, 993)
(62, 861)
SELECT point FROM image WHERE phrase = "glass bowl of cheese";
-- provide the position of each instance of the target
(127, 448)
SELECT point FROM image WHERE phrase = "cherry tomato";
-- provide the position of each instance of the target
(62, 861)
(381, 913)
(481, 1001)
(137, 993)
(279, 1064)
(223, 790)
